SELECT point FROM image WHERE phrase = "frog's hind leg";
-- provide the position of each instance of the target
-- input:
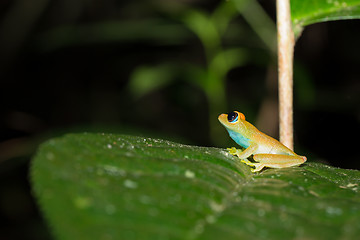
(278, 160)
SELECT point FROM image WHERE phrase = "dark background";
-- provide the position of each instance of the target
(57, 79)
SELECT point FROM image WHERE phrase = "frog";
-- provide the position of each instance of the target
(265, 150)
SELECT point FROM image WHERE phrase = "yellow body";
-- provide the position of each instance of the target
(266, 151)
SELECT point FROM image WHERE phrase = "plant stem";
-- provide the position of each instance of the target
(285, 63)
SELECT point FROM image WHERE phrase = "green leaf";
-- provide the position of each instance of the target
(146, 79)
(226, 60)
(202, 25)
(103, 186)
(305, 12)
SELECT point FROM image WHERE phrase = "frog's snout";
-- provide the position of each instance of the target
(222, 118)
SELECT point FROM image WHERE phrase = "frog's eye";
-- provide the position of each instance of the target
(233, 117)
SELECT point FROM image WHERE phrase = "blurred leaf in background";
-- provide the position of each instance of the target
(146, 79)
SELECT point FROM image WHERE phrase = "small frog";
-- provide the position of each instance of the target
(266, 151)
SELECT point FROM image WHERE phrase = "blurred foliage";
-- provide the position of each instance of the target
(211, 29)
(147, 79)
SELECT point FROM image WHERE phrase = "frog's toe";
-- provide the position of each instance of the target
(247, 162)
(232, 150)
(258, 167)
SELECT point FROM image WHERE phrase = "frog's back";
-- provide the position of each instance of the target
(267, 144)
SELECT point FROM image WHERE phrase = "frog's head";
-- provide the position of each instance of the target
(235, 124)
(232, 121)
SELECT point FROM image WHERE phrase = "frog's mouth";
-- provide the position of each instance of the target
(223, 119)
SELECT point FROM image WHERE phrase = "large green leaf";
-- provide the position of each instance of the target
(103, 186)
(305, 12)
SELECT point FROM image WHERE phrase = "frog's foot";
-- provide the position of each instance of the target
(234, 151)
(258, 166)
(247, 162)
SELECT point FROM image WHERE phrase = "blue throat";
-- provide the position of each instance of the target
(239, 139)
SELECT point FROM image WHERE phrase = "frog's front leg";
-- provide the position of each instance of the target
(276, 161)
(243, 154)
